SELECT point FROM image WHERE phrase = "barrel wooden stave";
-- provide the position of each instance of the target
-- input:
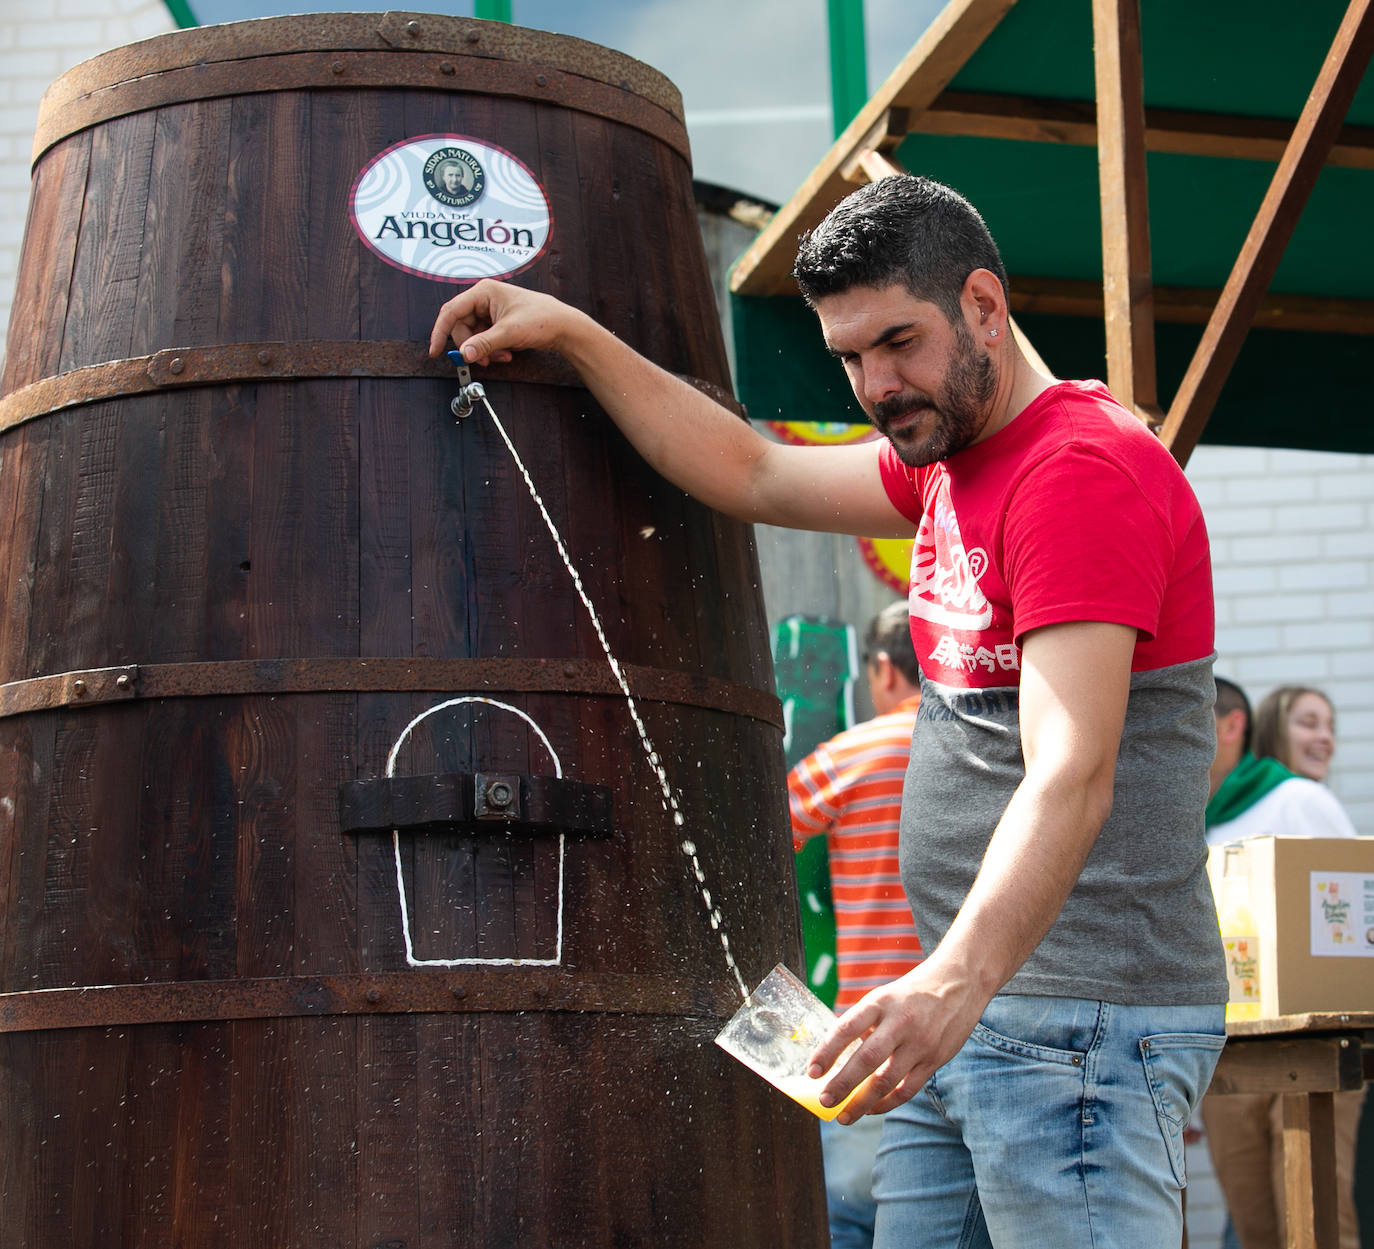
(553, 1166)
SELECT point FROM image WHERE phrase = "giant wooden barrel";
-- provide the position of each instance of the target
(256, 575)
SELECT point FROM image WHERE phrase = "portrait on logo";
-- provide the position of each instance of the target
(451, 207)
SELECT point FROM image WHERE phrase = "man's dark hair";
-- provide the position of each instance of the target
(889, 633)
(1230, 697)
(898, 231)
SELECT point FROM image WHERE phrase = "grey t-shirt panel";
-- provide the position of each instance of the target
(1140, 926)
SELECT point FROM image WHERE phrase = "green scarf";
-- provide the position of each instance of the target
(1244, 786)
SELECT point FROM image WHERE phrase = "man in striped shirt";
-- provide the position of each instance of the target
(850, 788)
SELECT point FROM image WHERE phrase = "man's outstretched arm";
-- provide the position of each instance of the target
(683, 434)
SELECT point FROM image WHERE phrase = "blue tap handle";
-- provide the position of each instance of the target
(470, 391)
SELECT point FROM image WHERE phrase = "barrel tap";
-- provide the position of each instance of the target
(469, 392)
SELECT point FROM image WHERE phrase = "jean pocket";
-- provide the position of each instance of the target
(1032, 1050)
(1178, 1068)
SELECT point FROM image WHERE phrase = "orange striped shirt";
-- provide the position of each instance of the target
(850, 788)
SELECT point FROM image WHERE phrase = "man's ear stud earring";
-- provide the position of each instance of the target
(992, 333)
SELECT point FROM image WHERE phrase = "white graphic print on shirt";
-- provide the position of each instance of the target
(944, 577)
(945, 597)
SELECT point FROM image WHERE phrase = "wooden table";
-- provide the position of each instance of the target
(1306, 1058)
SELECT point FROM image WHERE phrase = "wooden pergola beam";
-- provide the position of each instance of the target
(1033, 119)
(1186, 305)
(925, 71)
(1283, 203)
(865, 163)
(1127, 288)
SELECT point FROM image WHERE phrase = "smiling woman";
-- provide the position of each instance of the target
(1296, 725)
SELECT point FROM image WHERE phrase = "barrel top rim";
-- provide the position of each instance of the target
(393, 31)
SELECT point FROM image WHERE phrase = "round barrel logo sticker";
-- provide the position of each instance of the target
(451, 207)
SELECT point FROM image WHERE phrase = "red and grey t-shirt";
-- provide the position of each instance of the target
(1072, 512)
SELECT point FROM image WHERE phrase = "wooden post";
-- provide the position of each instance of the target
(1309, 1171)
(1127, 288)
(1259, 257)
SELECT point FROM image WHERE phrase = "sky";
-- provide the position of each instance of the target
(754, 74)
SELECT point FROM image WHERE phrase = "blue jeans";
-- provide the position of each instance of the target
(849, 1153)
(1059, 1124)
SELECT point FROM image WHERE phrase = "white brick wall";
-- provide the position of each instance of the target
(1293, 559)
(39, 41)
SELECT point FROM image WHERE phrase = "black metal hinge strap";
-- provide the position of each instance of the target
(477, 804)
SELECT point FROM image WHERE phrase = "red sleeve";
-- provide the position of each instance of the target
(1110, 550)
(901, 483)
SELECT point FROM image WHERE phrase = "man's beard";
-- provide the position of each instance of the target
(960, 412)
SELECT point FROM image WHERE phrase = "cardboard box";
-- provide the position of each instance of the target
(1312, 899)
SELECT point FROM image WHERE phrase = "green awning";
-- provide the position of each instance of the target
(1211, 70)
